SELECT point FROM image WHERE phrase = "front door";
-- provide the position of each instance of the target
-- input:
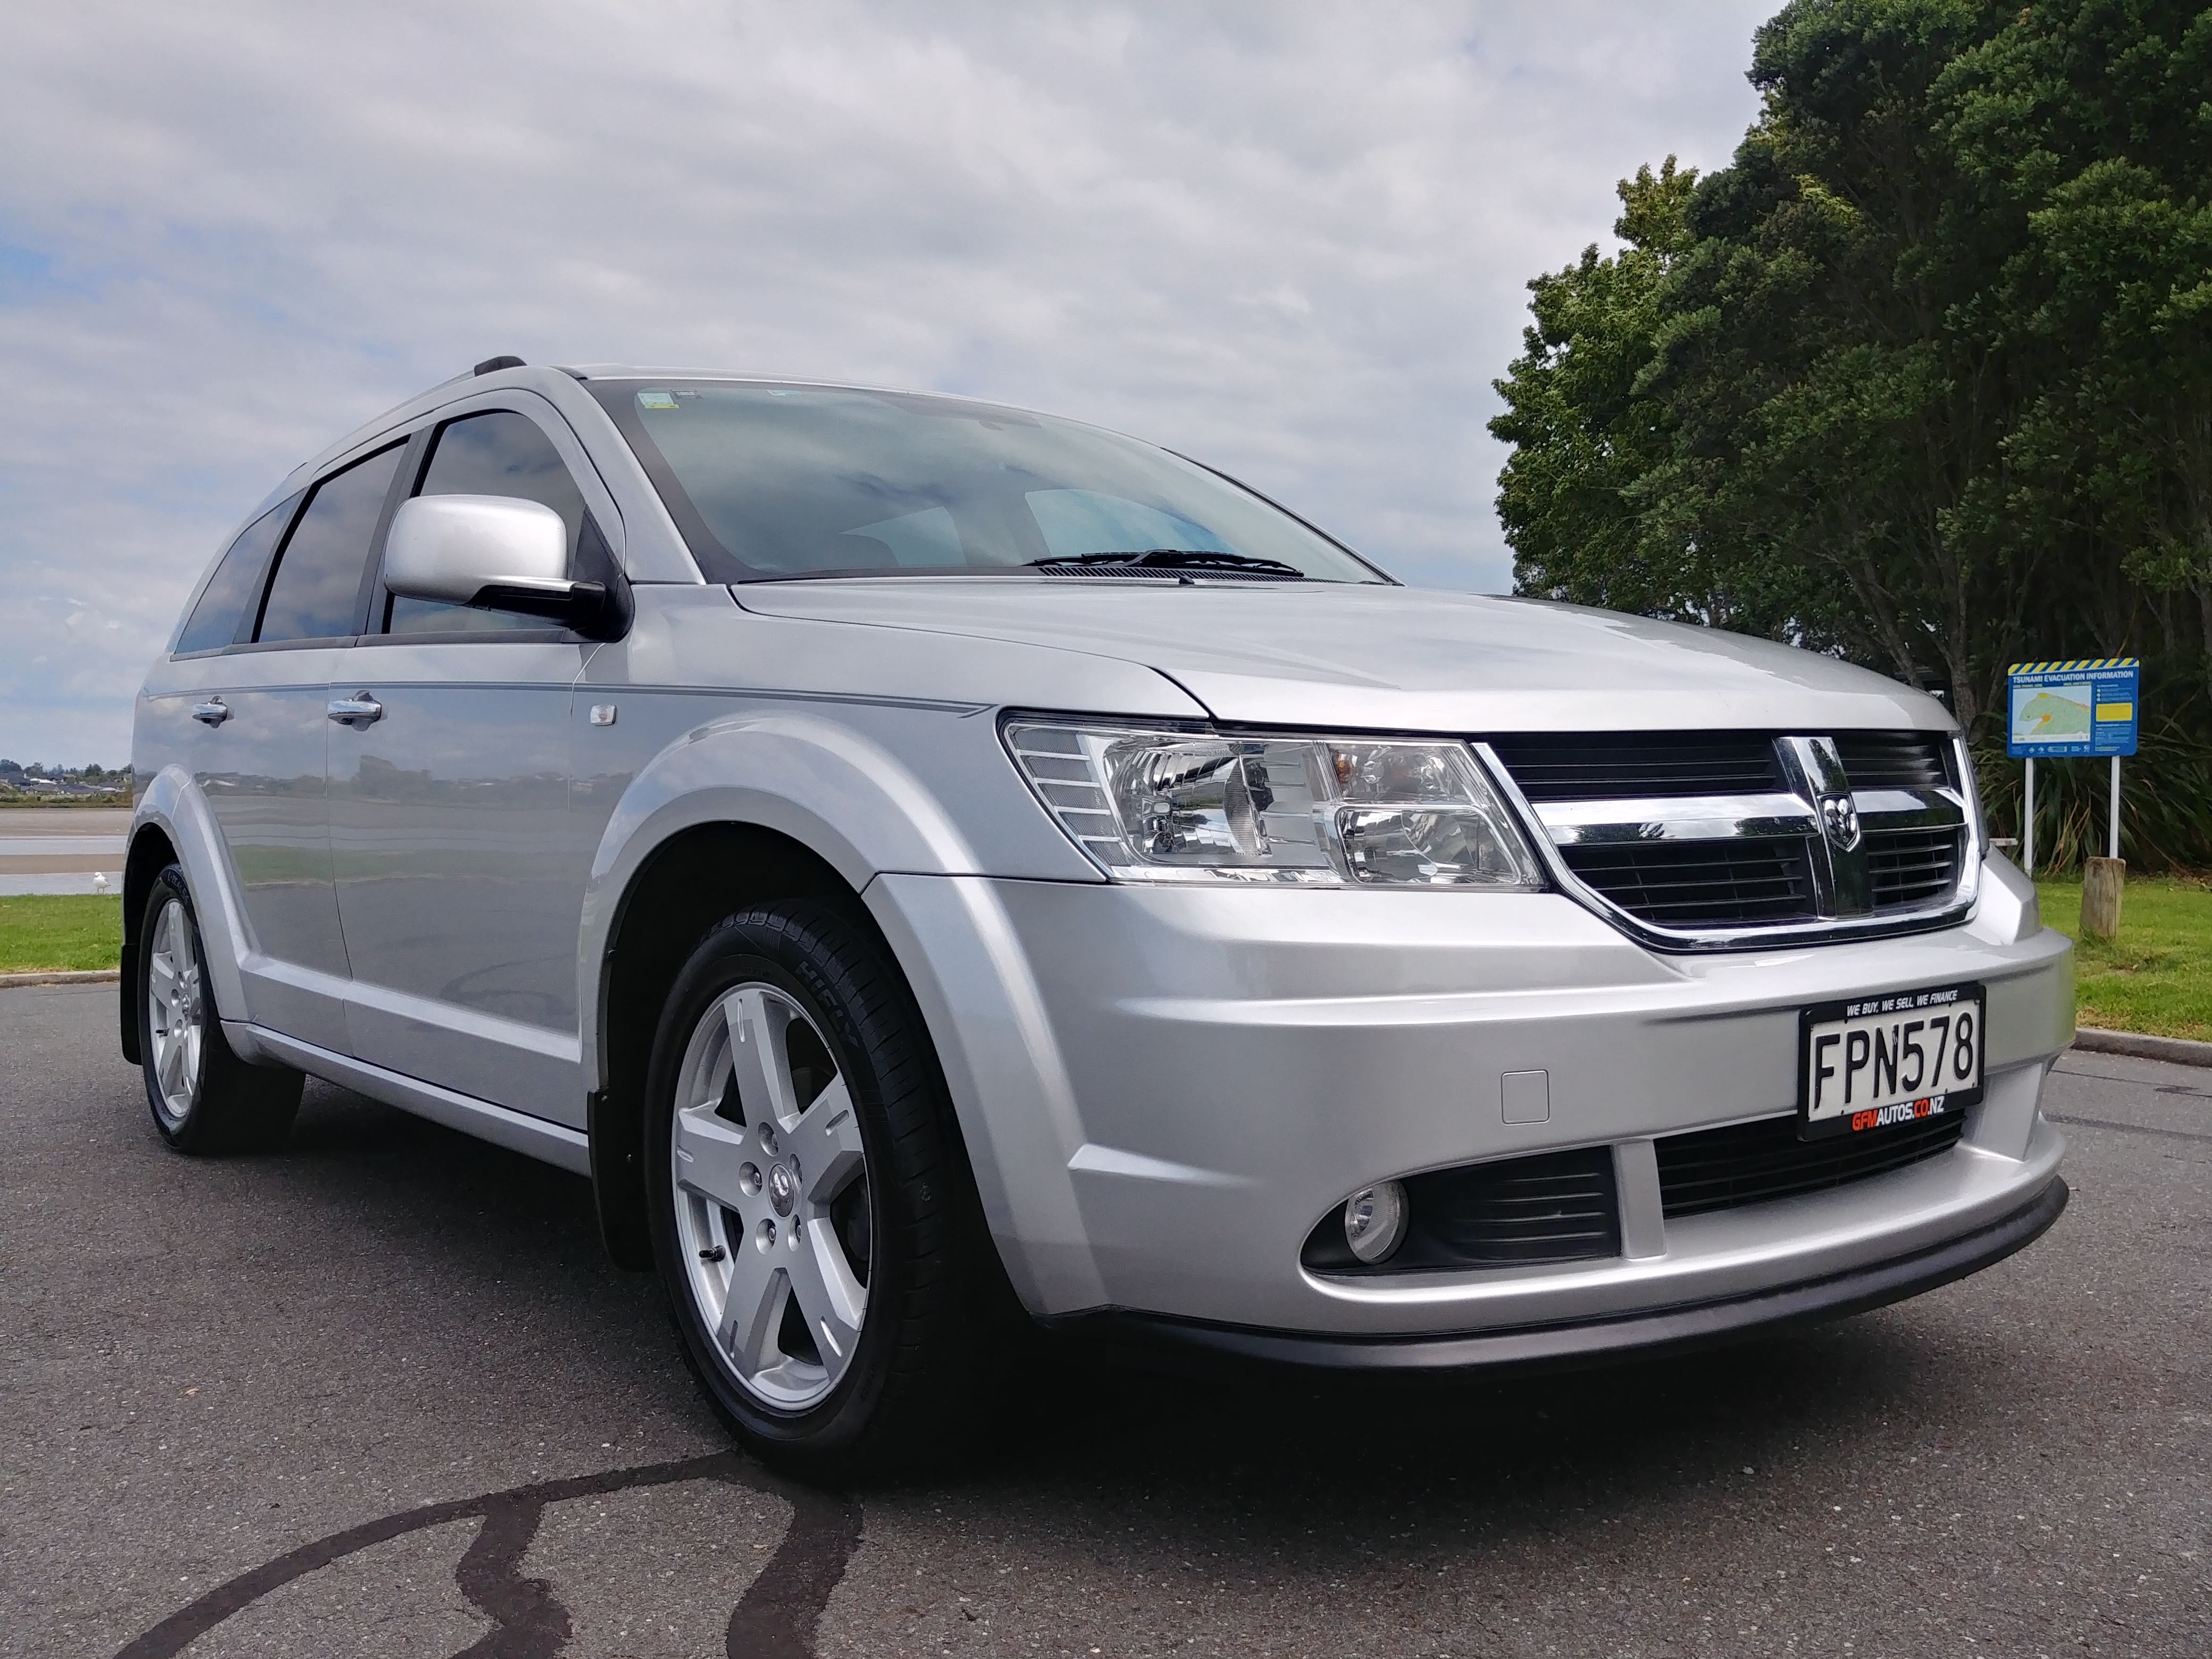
(458, 868)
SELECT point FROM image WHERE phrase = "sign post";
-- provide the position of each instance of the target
(2113, 849)
(2059, 709)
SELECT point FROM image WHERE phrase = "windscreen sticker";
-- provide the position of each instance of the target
(656, 400)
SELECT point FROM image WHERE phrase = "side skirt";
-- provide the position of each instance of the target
(519, 1132)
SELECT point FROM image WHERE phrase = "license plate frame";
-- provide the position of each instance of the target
(1822, 1116)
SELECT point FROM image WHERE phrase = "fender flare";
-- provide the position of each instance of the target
(174, 804)
(851, 802)
(794, 775)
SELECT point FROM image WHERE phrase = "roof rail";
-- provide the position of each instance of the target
(491, 365)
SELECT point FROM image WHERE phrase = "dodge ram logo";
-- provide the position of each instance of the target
(1840, 821)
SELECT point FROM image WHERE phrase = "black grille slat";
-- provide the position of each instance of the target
(1909, 868)
(1755, 1162)
(1894, 760)
(1514, 1212)
(1621, 766)
(1559, 1207)
(1700, 883)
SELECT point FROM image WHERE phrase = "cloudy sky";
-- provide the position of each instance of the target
(1290, 239)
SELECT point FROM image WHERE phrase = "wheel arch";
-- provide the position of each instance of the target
(151, 851)
(173, 825)
(682, 887)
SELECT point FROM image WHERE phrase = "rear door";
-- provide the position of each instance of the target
(260, 762)
(459, 870)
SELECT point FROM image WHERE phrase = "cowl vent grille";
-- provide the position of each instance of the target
(1197, 572)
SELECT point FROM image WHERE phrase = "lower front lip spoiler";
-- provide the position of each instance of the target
(1192, 1345)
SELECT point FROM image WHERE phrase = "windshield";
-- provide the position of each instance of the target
(783, 481)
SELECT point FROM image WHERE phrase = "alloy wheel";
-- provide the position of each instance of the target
(772, 1202)
(177, 1011)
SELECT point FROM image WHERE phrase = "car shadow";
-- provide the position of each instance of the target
(1291, 1446)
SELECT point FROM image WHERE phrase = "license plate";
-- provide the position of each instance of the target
(1876, 1062)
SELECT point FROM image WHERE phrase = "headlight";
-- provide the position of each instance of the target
(1164, 805)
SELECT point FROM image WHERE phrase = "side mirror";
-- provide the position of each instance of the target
(494, 553)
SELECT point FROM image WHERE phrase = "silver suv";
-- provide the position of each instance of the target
(941, 870)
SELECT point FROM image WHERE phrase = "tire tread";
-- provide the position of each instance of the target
(923, 1393)
(240, 1108)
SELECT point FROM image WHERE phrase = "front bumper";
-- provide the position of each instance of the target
(1223, 1348)
(1162, 1092)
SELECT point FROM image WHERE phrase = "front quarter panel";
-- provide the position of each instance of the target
(877, 749)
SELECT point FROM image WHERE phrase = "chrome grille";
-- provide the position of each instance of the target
(1698, 837)
(1909, 868)
(1649, 764)
(1893, 760)
(1700, 884)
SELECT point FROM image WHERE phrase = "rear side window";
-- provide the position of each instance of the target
(230, 592)
(317, 591)
(496, 453)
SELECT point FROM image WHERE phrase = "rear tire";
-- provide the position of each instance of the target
(807, 1198)
(204, 1098)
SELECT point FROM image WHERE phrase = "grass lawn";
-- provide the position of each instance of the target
(2157, 976)
(71, 930)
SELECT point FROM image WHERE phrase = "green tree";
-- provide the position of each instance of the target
(1585, 437)
(1837, 403)
(1838, 396)
(1923, 377)
(2091, 122)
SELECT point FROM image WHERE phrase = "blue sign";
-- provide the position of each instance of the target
(2086, 708)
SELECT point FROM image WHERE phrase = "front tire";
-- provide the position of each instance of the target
(204, 1098)
(805, 1187)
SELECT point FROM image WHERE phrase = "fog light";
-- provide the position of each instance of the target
(1375, 1220)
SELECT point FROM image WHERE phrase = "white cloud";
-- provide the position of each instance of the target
(1291, 239)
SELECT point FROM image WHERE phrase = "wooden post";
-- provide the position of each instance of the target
(2102, 882)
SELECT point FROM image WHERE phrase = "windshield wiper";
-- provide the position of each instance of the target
(1176, 558)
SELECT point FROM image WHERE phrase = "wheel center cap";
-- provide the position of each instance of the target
(782, 1189)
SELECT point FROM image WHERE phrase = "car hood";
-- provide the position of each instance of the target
(1378, 657)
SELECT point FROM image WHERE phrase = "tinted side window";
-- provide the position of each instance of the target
(317, 586)
(496, 453)
(231, 591)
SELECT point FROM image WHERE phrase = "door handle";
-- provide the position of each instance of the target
(213, 711)
(357, 711)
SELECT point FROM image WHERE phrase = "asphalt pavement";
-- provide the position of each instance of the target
(378, 1394)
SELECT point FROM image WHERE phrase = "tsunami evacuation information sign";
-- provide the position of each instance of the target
(2059, 710)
